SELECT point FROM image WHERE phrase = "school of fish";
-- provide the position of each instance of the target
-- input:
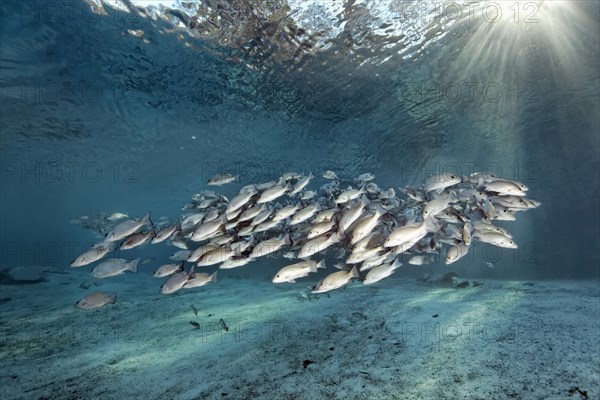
(356, 222)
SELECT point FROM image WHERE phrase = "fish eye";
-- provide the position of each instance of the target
(452, 177)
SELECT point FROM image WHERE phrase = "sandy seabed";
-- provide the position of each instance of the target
(397, 339)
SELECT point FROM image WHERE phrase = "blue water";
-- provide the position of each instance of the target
(95, 119)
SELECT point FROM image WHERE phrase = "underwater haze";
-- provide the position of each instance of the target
(113, 109)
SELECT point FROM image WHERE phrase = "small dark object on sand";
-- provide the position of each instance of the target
(195, 324)
(575, 389)
(223, 325)
(435, 315)
(306, 363)
(194, 310)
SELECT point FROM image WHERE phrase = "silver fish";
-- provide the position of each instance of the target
(168, 269)
(126, 228)
(222, 179)
(176, 281)
(96, 300)
(273, 193)
(317, 245)
(269, 246)
(329, 175)
(137, 239)
(305, 214)
(335, 280)
(441, 181)
(298, 270)
(114, 267)
(166, 233)
(241, 199)
(381, 272)
(349, 194)
(93, 254)
(200, 279)
(456, 252)
(236, 262)
(301, 184)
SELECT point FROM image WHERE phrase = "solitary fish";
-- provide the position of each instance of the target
(440, 182)
(216, 256)
(168, 269)
(335, 280)
(301, 184)
(329, 175)
(273, 193)
(352, 215)
(307, 195)
(137, 239)
(319, 229)
(241, 199)
(166, 233)
(318, 244)
(200, 279)
(298, 270)
(181, 255)
(364, 227)
(235, 262)
(456, 252)
(250, 213)
(176, 281)
(222, 179)
(117, 216)
(269, 246)
(421, 260)
(207, 230)
(93, 254)
(349, 194)
(506, 187)
(96, 300)
(128, 227)
(497, 239)
(435, 206)
(381, 272)
(410, 233)
(305, 214)
(365, 177)
(114, 267)
(286, 212)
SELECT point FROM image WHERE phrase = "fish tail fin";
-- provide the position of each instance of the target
(287, 239)
(354, 272)
(335, 237)
(134, 265)
(396, 264)
(430, 224)
(341, 234)
(213, 277)
(191, 273)
(380, 210)
(321, 265)
(146, 220)
(113, 298)
(180, 266)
